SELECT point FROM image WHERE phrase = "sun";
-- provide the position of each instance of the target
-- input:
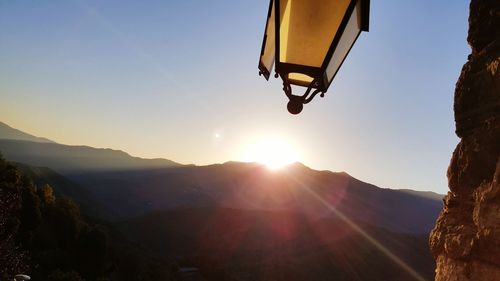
(275, 153)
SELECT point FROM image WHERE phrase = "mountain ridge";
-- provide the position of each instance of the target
(73, 158)
(128, 186)
(38, 145)
(7, 132)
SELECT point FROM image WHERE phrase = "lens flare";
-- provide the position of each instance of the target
(275, 153)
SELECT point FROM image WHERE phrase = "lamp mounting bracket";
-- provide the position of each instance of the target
(296, 103)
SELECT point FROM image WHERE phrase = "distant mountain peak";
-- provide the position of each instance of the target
(7, 132)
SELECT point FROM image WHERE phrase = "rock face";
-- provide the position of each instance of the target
(466, 239)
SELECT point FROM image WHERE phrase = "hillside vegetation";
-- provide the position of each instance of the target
(47, 237)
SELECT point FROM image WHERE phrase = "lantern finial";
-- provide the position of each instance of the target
(296, 103)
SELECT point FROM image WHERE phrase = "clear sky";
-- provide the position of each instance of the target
(179, 80)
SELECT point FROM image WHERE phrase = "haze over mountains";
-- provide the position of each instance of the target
(259, 223)
(131, 186)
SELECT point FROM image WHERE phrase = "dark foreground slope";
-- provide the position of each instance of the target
(63, 187)
(274, 245)
(47, 237)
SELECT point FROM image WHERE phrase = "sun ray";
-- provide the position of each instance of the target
(384, 250)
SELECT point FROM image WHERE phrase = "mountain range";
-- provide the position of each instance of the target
(181, 210)
(130, 186)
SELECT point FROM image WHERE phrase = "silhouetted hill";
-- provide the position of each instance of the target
(426, 194)
(64, 187)
(70, 159)
(253, 186)
(7, 132)
(281, 245)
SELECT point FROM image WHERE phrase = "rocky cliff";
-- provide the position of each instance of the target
(466, 239)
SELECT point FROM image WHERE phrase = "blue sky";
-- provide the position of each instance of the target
(179, 80)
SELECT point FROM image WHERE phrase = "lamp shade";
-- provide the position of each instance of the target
(308, 40)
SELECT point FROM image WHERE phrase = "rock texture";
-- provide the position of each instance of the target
(466, 239)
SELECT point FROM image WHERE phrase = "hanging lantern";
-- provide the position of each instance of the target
(307, 41)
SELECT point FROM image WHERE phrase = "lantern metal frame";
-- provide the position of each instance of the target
(319, 74)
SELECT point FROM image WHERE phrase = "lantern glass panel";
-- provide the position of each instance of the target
(269, 48)
(300, 79)
(351, 33)
(307, 29)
